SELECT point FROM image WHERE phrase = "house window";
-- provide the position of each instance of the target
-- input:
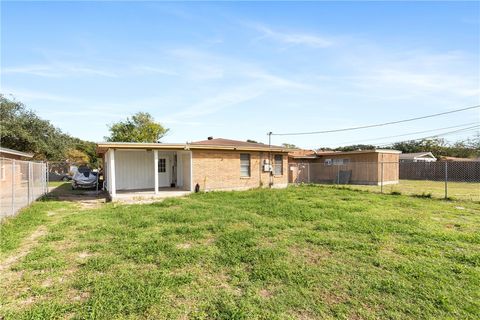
(244, 165)
(162, 165)
(278, 165)
(336, 162)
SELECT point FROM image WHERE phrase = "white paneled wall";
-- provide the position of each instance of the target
(134, 170)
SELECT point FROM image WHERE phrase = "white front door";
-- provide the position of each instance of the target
(163, 171)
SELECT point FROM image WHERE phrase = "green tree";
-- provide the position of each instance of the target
(21, 129)
(439, 147)
(77, 156)
(140, 128)
(290, 146)
(356, 147)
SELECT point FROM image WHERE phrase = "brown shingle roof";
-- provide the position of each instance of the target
(231, 143)
(302, 153)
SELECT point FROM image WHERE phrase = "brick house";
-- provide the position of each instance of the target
(213, 164)
(7, 157)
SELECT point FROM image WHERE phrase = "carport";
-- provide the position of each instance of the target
(146, 171)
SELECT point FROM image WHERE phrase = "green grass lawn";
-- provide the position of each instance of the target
(307, 252)
(456, 190)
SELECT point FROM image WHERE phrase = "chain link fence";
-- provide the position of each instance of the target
(457, 180)
(21, 183)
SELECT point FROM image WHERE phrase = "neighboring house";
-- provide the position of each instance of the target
(417, 157)
(354, 167)
(14, 154)
(452, 159)
(213, 164)
(6, 164)
(21, 181)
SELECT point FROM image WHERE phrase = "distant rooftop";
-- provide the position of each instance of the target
(233, 143)
(414, 155)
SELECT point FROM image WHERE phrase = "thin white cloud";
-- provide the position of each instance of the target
(275, 80)
(221, 101)
(414, 73)
(62, 70)
(26, 95)
(294, 38)
(146, 69)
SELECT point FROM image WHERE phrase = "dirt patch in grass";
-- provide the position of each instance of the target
(310, 254)
(84, 255)
(264, 293)
(184, 246)
(29, 242)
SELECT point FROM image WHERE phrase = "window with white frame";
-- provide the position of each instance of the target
(244, 165)
(162, 165)
(278, 165)
(340, 162)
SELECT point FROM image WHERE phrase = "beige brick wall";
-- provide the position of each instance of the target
(220, 170)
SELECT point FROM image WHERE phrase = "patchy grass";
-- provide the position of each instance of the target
(56, 183)
(456, 190)
(307, 252)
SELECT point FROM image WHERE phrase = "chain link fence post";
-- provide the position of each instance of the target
(46, 177)
(13, 187)
(29, 183)
(308, 172)
(381, 182)
(338, 174)
(446, 179)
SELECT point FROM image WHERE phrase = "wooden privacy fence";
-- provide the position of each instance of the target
(21, 183)
(458, 171)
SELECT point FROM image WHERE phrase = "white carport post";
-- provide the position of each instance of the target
(113, 190)
(155, 169)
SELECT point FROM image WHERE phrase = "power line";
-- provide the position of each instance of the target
(375, 125)
(472, 128)
(408, 134)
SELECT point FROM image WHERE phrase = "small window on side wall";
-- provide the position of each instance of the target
(162, 165)
(244, 165)
(278, 165)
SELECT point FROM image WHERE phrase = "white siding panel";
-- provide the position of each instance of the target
(134, 170)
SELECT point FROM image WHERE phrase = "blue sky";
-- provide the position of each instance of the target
(239, 70)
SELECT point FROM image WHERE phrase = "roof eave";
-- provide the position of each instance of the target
(16, 153)
(103, 147)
